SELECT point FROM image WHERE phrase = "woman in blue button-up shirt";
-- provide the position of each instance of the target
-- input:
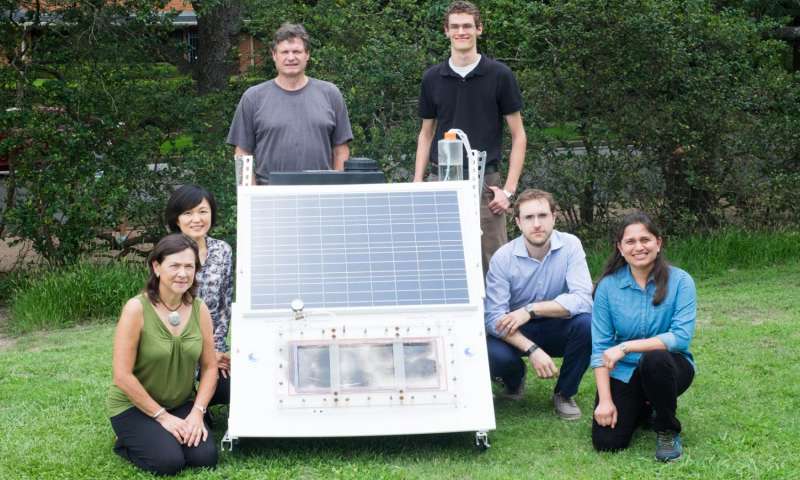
(642, 324)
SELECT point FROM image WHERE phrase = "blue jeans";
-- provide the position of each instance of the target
(570, 338)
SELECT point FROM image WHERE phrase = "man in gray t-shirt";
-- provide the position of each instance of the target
(292, 122)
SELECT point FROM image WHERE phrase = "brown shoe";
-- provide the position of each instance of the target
(565, 407)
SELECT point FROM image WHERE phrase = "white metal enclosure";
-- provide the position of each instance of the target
(388, 338)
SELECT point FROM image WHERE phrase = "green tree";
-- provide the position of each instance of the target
(218, 24)
(675, 82)
(84, 119)
(786, 12)
(375, 52)
(682, 107)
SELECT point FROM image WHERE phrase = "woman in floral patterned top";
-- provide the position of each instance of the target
(192, 211)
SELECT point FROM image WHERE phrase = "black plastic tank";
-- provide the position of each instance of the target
(356, 170)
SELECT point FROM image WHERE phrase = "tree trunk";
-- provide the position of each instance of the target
(587, 194)
(587, 203)
(218, 24)
(683, 198)
(795, 43)
(791, 35)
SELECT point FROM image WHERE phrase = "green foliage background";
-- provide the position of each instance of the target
(685, 108)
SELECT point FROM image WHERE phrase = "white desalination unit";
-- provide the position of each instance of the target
(359, 311)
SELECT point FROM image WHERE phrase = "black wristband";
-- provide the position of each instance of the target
(529, 309)
(531, 349)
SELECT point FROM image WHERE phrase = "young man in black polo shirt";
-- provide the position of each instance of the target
(474, 93)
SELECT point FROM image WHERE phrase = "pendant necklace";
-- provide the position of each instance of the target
(174, 318)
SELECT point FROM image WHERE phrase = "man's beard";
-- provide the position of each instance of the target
(539, 244)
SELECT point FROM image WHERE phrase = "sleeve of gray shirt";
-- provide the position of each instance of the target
(242, 133)
(343, 132)
(578, 297)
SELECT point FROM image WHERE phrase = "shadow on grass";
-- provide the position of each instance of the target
(419, 446)
(513, 417)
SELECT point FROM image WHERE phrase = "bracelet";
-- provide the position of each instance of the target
(162, 410)
(200, 407)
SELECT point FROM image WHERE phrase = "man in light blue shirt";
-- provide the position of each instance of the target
(538, 304)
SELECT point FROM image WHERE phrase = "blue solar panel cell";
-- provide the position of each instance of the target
(357, 249)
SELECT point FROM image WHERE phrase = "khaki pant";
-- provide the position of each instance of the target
(493, 227)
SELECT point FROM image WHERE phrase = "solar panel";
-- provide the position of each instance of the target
(357, 250)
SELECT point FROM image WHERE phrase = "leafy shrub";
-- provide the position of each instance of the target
(91, 111)
(686, 87)
(683, 109)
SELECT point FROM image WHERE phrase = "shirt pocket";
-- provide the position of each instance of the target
(626, 316)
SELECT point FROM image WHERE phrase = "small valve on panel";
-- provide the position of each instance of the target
(297, 307)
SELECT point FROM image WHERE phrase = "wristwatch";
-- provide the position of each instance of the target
(624, 347)
(529, 309)
(510, 195)
(531, 349)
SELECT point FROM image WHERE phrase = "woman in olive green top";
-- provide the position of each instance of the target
(161, 336)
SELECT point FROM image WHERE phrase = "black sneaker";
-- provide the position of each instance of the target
(514, 394)
(668, 446)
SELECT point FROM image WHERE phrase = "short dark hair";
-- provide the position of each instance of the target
(171, 244)
(461, 6)
(186, 198)
(288, 31)
(534, 194)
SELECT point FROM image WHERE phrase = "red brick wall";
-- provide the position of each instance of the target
(179, 5)
(251, 52)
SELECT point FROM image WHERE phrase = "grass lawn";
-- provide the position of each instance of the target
(740, 416)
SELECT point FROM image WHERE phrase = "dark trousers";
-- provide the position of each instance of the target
(570, 338)
(222, 395)
(146, 444)
(655, 386)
